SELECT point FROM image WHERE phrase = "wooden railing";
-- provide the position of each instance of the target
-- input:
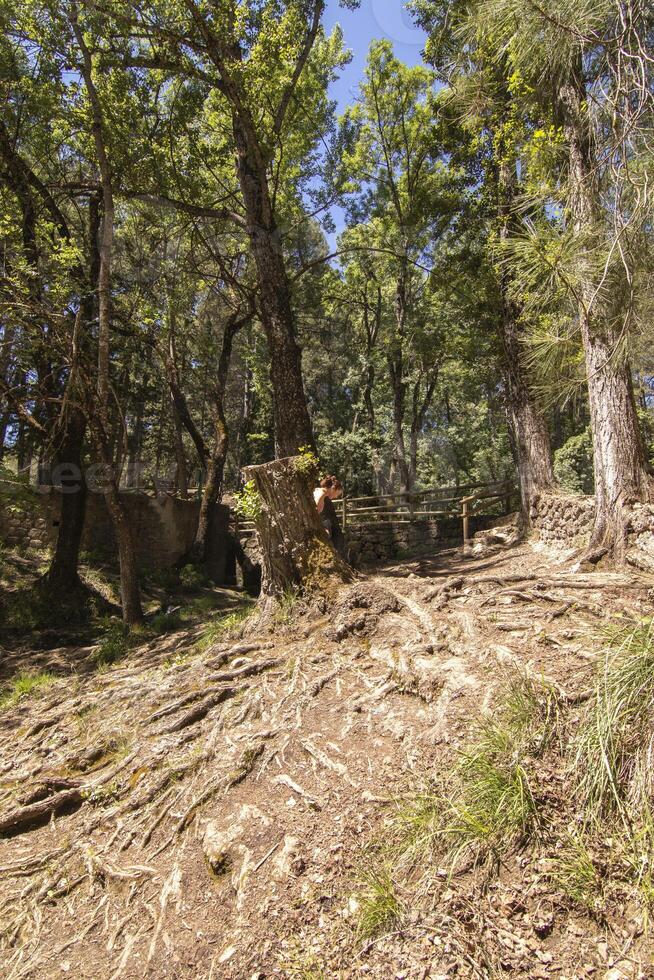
(440, 503)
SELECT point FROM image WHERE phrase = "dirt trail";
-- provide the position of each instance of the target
(197, 815)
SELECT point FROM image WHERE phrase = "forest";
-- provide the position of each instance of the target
(220, 283)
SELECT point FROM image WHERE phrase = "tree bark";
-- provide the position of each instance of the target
(296, 551)
(99, 414)
(420, 404)
(528, 430)
(63, 574)
(213, 489)
(181, 468)
(621, 477)
(292, 424)
(395, 360)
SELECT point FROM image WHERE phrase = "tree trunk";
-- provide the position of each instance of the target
(216, 458)
(530, 438)
(6, 352)
(130, 592)
(621, 477)
(528, 431)
(295, 549)
(99, 415)
(181, 469)
(63, 574)
(134, 439)
(395, 360)
(290, 413)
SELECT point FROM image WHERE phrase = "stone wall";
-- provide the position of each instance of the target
(164, 528)
(27, 522)
(568, 522)
(640, 551)
(562, 520)
(371, 543)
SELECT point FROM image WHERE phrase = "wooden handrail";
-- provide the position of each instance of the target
(353, 514)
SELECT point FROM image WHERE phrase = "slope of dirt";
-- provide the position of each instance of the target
(195, 814)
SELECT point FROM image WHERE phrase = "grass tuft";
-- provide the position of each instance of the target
(221, 627)
(577, 876)
(114, 644)
(488, 803)
(23, 686)
(616, 738)
(379, 907)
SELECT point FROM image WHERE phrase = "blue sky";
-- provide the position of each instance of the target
(374, 19)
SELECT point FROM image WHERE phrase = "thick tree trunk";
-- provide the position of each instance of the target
(528, 431)
(290, 413)
(63, 574)
(530, 438)
(296, 551)
(621, 477)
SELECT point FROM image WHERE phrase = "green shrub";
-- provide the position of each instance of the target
(247, 503)
(193, 578)
(113, 644)
(166, 622)
(573, 464)
(25, 685)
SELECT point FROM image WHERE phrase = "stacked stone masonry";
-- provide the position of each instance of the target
(163, 527)
(568, 522)
(372, 543)
(563, 520)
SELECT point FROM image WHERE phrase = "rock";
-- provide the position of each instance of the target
(622, 970)
(222, 842)
(288, 860)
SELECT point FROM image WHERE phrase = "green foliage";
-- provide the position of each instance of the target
(573, 464)
(24, 686)
(192, 578)
(349, 455)
(113, 645)
(307, 463)
(379, 908)
(248, 502)
(165, 622)
(614, 739)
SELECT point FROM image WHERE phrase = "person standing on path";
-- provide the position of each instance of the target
(329, 490)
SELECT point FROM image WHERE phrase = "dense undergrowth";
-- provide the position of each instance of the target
(570, 784)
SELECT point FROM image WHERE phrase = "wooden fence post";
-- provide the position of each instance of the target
(466, 520)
